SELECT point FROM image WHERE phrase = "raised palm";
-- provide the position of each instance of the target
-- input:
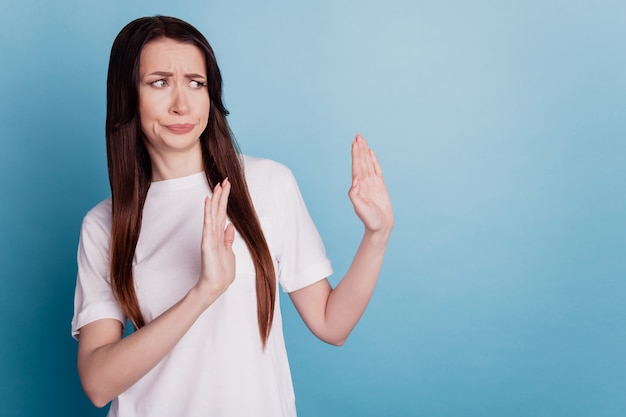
(368, 193)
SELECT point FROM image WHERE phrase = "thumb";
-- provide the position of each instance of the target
(229, 236)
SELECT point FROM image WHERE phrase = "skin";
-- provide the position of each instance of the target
(173, 98)
(109, 364)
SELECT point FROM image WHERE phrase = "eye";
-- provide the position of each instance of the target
(159, 83)
(196, 84)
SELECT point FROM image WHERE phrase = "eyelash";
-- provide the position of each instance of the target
(164, 81)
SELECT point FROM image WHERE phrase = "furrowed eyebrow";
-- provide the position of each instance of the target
(161, 73)
(195, 76)
(171, 74)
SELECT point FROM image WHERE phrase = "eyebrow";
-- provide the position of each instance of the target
(171, 74)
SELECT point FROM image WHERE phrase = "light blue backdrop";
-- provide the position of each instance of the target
(500, 127)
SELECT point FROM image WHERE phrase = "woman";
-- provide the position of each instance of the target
(193, 241)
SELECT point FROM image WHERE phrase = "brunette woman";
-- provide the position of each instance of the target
(195, 239)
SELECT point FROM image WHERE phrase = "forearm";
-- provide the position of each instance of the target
(331, 314)
(109, 369)
(347, 302)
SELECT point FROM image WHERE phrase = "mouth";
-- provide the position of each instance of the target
(180, 128)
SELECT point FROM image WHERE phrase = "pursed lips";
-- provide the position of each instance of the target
(180, 128)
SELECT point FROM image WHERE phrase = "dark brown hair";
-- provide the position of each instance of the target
(130, 170)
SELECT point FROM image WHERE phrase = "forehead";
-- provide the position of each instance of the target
(167, 54)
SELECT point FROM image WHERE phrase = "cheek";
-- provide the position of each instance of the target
(146, 110)
(148, 117)
(204, 108)
(153, 105)
(144, 118)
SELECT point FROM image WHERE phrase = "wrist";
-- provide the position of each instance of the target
(378, 237)
(203, 294)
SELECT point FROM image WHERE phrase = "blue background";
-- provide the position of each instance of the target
(500, 127)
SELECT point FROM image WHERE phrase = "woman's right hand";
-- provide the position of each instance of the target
(109, 364)
(218, 259)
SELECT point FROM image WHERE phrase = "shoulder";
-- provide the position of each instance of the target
(254, 165)
(99, 218)
(270, 184)
(261, 172)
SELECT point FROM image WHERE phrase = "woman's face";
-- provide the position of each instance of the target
(173, 99)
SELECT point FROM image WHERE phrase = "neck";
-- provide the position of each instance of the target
(176, 164)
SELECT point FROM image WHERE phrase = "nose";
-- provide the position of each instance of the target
(180, 103)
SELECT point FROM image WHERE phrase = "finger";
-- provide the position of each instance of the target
(377, 168)
(366, 161)
(223, 203)
(229, 236)
(207, 208)
(356, 163)
(354, 190)
(215, 201)
(207, 200)
(207, 230)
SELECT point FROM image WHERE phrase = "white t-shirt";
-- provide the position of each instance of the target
(219, 367)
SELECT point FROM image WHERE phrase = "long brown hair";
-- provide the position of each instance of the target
(130, 170)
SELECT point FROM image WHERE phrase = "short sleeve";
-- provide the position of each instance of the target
(93, 298)
(303, 259)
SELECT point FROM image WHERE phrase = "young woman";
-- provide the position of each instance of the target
(193, 242)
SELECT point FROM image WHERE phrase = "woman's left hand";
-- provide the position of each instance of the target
(368, 193)
(331, 314)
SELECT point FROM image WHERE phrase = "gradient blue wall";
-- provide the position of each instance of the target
(500, 126)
